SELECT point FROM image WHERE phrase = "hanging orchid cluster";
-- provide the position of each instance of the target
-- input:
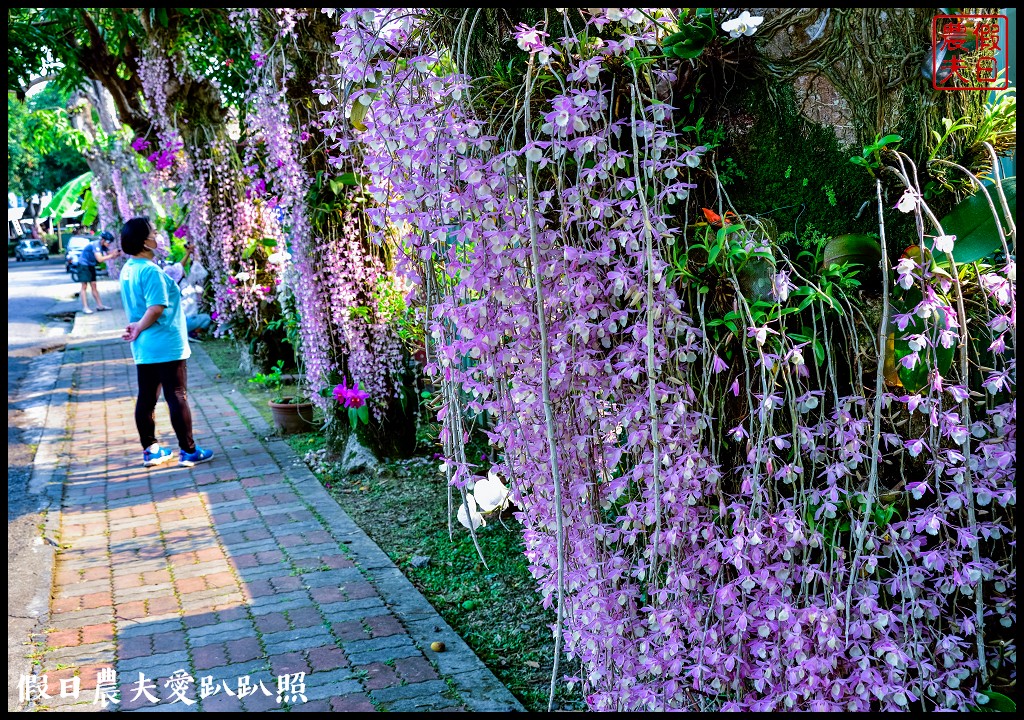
(244, 278)
(226, 223)
(336, 271)
(776, 562)
(154, 74)
(128, 194)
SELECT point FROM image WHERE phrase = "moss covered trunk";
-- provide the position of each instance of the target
(812, 88)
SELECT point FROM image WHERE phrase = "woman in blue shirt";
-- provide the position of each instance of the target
(157, 332)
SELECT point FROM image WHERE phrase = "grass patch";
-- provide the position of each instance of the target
(403, 508)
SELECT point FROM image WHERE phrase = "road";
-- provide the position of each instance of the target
(41, 300)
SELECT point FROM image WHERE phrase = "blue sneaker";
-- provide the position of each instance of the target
(156, 455)
(194, 458)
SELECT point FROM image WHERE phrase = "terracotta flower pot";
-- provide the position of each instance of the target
(291, 417)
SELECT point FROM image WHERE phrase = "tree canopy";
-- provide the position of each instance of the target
(43, 150)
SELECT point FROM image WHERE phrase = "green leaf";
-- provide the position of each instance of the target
(882, 515)
(974, 225)
(268, 242)
(89, 209)
(350, 178)
(161, 17)
(357, 114)
(713, 255)
(819, 352)
(690, 41)
(997, 702)
(699, 33)
(249, 250)
(67, 197)
(638, 61)
(674, 38)
(363, 413)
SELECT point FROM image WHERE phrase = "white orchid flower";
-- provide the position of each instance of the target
(243, 276)
(279, 258)
(745, 24)
(944, 243)
(490, 493)
(531, 40)
(908, 201)
(473, 516)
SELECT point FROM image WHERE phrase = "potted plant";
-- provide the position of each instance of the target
(292, 414)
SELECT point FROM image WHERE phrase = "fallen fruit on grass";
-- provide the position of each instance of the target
(437, 646)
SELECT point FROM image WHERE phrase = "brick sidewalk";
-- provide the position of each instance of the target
(241, 567)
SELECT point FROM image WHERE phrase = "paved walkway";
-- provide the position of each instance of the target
(228, 576)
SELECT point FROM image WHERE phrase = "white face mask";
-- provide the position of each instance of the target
(160, 247)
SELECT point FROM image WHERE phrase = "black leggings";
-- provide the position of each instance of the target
(173, 376)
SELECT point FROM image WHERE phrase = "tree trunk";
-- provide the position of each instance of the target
(863, 72)
(809, 90)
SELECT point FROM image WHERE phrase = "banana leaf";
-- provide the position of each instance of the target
(65, 199)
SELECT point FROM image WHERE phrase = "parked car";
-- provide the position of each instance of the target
(76, 243)
(31, 249)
